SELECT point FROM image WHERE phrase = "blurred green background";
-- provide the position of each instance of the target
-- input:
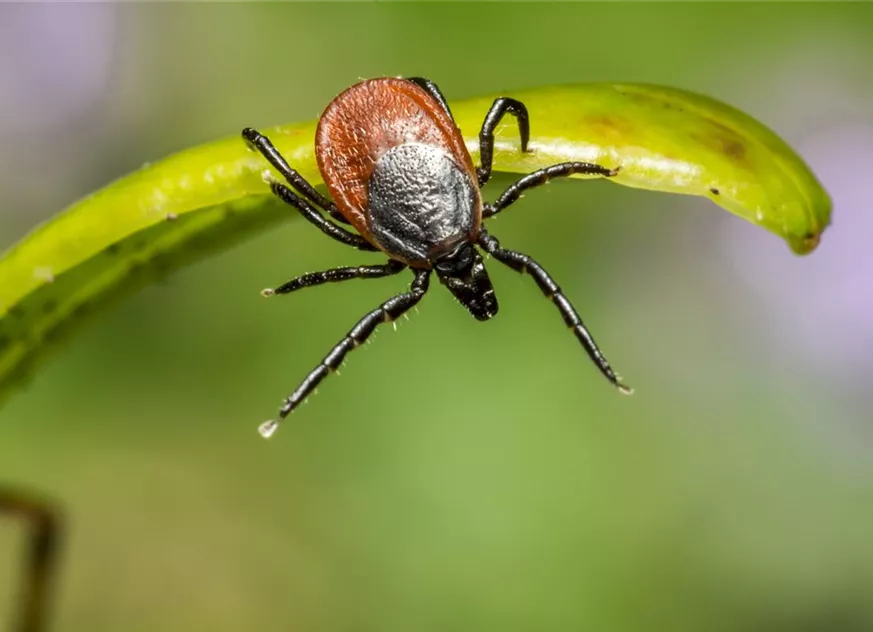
(457, 476)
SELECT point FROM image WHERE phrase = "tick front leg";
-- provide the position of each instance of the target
(387, 312)
(324, 225)
(551, 290)
(541, 177)
(336, 275)
(498, 110)
(262, 144)
(44, 538)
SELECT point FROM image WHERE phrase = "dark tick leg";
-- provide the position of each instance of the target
(261, 143)
(539, 178)
(388, 312)
(44, 524)
(335, 275)
(486, 136)
(433, 90)
(326, 226)
(523, 263)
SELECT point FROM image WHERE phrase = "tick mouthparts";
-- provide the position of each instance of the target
(268, 428)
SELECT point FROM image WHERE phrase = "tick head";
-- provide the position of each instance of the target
(463, 272)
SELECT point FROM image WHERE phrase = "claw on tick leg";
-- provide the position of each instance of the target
(268, 428)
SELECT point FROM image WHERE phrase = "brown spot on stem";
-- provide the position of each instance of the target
(728, 144)
(728, 141)
(811, 241)
(733, 148)
(609, 126)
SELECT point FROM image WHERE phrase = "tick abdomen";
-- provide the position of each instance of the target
(421, 202)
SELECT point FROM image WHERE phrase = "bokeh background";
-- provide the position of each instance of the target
(457, 476)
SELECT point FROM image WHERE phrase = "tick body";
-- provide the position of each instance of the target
(398, 172)
(397, 168)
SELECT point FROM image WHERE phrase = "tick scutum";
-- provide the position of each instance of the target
(421, 203)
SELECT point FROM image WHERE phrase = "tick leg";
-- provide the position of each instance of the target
(326, 226)
(44, 525)
(337, 274)
(433, 90)
(539, 178)
(486, 136)
(523, 263)
(258, 141)
(387, 312)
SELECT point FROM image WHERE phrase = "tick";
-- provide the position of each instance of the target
(398, 172)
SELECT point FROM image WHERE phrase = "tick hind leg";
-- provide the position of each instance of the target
(498, 110)
(261, 143)
(43, 542)
(336, 275)
(551, 290)
(387, 312)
